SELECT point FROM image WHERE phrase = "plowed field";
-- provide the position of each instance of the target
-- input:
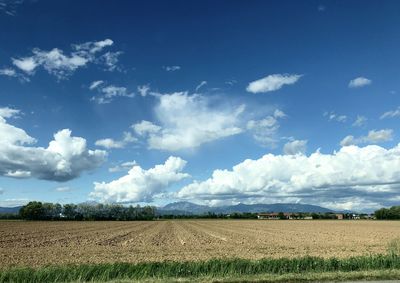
(43, 243)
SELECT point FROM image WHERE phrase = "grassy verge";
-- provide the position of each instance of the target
(212, 270)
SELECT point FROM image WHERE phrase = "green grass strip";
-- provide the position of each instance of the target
(218, 268)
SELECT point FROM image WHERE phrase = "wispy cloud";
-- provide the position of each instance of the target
(359, 82)
(373, 137)
(63, 189)
(272, 83)
(391, 114)
(56, 62)
(200, 85)
(124, 166)
(111, 143)
(360, 121)
(171, 68)
(108, 93)
(332, 116)
(9, 7)
(143, 90)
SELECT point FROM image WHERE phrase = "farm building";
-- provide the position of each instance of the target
(339, 216)
(285, 215)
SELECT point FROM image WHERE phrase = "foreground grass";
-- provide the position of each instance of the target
(297, 269)
(289, 277)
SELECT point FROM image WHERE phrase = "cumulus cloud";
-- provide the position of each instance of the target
(332, 116)
(111, 143)
(295, 147)
(62, 65)
(171, 68)
(359, 82)
(391, 114)
(141, 185)
(371, 173)
(187, 121)
(65, 158)
(265, 130)
(272, 82)
(360, 121)
(107, 93)
(374, 136)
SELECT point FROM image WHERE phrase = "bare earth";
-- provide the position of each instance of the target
(43, 243)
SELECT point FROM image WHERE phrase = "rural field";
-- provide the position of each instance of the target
(36, 244)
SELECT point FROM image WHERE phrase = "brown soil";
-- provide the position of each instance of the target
(43, 243)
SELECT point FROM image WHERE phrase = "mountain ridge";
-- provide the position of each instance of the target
(185, 207)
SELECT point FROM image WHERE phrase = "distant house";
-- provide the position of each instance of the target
(285, 215)
(339, 216)
(270, 216)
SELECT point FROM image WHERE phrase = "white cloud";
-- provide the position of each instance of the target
(9, 7)
(187, 121)
(200, 85)
(141, 185)
(360, 121)
(171, 68)
(57, 63)
(124, 166)
(352, 171)
(8, 72)
(110, 60)
(332, 116)
(1, 191)
(265, 130)
(295, 147)
(95, 84)
(272, 82)
(111, 143)
(13, 202)
(374, 136)
(143, 90)
(359, 82)
(391, 114)
(92, 46)
(64, 159)
(27, 64)
(7, 112)
(145, 127)
(109, 92)
(63, 189)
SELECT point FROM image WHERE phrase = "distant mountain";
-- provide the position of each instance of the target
(4, 210)
(184, 208)
(188, 208)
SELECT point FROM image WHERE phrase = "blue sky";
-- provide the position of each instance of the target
(215, 102)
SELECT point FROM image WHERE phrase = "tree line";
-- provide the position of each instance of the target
(388, 213)
(36, 210)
